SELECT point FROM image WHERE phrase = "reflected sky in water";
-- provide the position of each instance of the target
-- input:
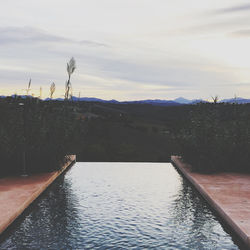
(119, 205)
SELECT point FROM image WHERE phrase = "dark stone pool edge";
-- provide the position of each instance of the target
(185, 171)
(29, 200)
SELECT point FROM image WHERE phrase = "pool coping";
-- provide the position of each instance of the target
(17, 193)
(208, 192)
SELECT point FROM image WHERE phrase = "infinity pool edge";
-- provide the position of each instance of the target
(225, 210)
(17, 193)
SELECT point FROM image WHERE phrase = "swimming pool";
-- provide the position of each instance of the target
(119, 205)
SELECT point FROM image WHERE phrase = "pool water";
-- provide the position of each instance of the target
(119, 206)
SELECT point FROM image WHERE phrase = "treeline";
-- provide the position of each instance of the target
(216, 138)
(108, 141)
(39, 134)
(130, 132)
(35, 135)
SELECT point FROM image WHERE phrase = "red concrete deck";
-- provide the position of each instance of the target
(17, 193)
(227, 193)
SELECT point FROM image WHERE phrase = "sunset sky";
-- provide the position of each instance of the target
(127, 49)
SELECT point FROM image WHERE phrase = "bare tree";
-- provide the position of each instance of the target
(215, 99)
(52, 89)
(71, 66)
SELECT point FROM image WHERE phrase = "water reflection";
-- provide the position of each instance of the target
(126, 205)
(191, 215)
(48, 222)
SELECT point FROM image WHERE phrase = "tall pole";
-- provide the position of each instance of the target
(24, 173)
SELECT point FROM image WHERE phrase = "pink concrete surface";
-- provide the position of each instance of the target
(227, 193)
(17, 193)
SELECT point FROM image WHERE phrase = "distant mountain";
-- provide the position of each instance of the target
(195, 101)
(154, 102)
(22, 96)
(158, 102)
(182, 100)
(238, 100)
(92, 99)
(85, 99)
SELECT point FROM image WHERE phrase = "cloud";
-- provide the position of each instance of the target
(10, 35)
(27, 34)
(93, 43)
(218, 21)
(215, 26)
(238, 8)
(238, 84)
(240, 33)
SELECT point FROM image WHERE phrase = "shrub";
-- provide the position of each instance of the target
(45, 131)
(217, 138)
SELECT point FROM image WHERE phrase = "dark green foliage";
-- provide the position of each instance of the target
(115, 141)
(44, 131)
(217, 138)
(129, 132)
(211, 137)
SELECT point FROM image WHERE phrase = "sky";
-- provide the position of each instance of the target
(127, 49)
